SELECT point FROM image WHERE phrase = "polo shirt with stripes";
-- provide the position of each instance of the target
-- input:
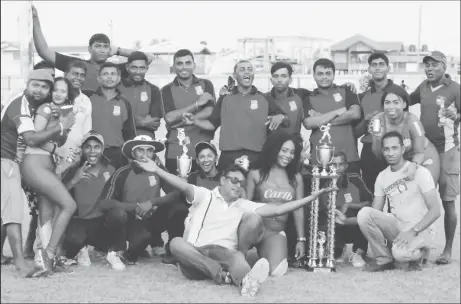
(175, 96)
(448, 93)
(145, 100)
(113, 119)
(370, 101)
(242, 119)
(342, 137)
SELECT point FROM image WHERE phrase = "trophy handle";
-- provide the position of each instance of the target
(317, 153)
(190, 165)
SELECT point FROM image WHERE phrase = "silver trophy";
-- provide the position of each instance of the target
(183, 162)
(441, 103)
(325, 151)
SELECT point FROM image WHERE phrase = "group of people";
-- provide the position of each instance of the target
(83, 148)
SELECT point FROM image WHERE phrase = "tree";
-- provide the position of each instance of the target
(137, 44)
(412, 48)
(424, 48)
(402, 48)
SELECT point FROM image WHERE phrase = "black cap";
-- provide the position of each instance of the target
(137, 55)
(99, 37)
(204, 145)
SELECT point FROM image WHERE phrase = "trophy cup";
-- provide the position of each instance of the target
(325, 151)
(324, 240)
(442, 119)
(183, 162)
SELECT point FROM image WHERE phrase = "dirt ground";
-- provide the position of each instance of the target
(152, 281)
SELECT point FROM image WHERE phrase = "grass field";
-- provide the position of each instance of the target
(151, 281)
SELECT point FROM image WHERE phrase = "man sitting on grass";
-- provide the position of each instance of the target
(221, 228)
(409, 229)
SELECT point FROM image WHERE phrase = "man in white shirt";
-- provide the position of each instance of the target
(220, 229)
(405, 234)
(76, 73)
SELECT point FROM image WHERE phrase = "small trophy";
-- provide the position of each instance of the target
(441, 103)
(325, 151)
(321, 240)
(183, 162)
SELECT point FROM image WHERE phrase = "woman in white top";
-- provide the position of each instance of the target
(38, 172)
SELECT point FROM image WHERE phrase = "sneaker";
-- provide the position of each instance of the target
(114, 259)
(158, 251)
(60, 267)
(68, 262)
(252, 282)
(43, 261)
(83, 257)
(357, 260)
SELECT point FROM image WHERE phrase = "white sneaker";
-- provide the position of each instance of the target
(357, 260)
(252, 282)
(158, 251)
(83, 258)
(114, 259)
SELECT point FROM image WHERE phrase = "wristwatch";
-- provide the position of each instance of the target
(301, 239)
(416, 230)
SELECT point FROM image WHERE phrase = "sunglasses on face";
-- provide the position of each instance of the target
(235, 180)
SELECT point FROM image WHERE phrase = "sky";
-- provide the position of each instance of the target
(221, 23)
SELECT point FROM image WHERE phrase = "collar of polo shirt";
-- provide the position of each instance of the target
(253, 91)
(316, 91)
(194, 80)
(128, 82)
(214, 178)
(99, 92)
(291, 92)
(373, 87)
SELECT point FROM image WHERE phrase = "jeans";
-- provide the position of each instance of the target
(381, 229)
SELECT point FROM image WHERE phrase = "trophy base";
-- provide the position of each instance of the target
(320, 269)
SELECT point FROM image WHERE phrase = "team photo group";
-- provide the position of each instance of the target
(81, 152)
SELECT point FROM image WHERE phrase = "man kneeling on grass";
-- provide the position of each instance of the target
(409, 229)
(221, 228)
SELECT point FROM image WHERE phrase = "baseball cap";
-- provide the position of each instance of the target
(41, 75)
(137, 55)
(93, 135)
(437, 56)
(205, 145)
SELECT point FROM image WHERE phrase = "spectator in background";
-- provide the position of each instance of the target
(405, 235)
(370, 102)
(439, 97)
(185, 94)
(339, 107)
(99, 47)
(144, 97)
(85, 182)
(245, 117)
(112, 115)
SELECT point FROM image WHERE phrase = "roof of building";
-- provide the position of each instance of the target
(377, 46)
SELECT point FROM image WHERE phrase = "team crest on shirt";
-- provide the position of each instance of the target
(293, 106)
(254, 104)
(347, 198)
(152, 181)
(337, 97)
(116, 111)
(106, 176)
(199, 90)
(144, 96)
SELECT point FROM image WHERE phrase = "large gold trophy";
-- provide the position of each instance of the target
(322, 243)
(183, 162)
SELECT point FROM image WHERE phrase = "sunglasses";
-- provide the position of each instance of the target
(235, 180)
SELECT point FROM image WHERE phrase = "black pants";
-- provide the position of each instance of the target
(371, 166)
(82, 232)
(228, 157)
(115, 157)
(350, 234)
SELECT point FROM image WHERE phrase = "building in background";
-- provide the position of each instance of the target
(351, 56)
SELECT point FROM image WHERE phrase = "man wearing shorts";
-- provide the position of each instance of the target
(439, 97)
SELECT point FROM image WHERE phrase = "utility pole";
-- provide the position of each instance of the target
(419, 37)
(111, 31)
